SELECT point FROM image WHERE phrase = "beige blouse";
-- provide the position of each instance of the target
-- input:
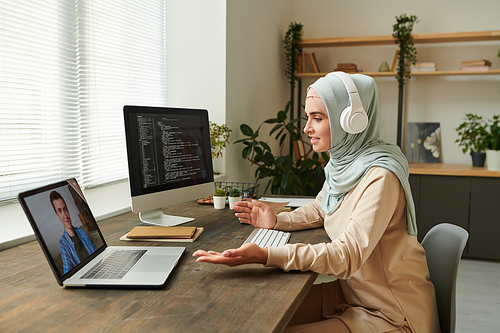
(382, 271)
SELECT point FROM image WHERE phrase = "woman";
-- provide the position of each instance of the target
(366, 208)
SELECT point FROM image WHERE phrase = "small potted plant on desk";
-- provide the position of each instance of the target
(234, 195)
(472, 136)
(219, 199)
(493, 145)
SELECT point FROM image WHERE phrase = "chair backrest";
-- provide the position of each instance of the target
(444, 245)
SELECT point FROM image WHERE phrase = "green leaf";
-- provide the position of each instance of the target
(282, 139)
(265, 145)
(286, 180)
(246, 130)
(246, 152)
(279, 134)
(268, 158)
(272, 121)
(275, 128)
(281, 116)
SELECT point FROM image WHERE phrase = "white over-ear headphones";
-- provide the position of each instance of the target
(353, 119)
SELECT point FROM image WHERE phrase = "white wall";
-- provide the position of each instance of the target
(196, 58)
(254, 67)
(428, 99)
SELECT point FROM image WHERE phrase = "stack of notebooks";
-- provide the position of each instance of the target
(347, 67)
(475, 65)
(163, 234)
(423, 67)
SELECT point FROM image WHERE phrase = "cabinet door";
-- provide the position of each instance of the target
(443, 199)
(484, 230)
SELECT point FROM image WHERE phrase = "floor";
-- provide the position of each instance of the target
(478, 296)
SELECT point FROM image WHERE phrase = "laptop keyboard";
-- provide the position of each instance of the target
(268, 237)
(116, 265)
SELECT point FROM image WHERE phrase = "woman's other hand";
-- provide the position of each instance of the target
(249, 253)
(255, 213)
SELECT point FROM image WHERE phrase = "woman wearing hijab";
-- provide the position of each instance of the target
(366, 208)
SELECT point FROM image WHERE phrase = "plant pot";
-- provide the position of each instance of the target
(493, 160)
(478, 159)
(233, 200)
(219, 202)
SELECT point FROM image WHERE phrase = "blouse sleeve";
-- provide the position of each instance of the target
(306, 217)
(381, 197)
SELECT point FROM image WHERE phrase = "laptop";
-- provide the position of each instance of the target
(76, 250)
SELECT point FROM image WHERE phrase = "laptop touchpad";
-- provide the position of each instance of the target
(155, 263)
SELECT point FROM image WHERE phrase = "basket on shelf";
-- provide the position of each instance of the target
(248, 190)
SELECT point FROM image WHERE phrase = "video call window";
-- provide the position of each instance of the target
(67, 227)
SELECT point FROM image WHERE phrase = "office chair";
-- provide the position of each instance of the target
(444, 245)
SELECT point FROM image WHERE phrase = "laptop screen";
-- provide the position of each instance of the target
(64, 226)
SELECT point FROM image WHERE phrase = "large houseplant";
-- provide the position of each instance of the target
(288, 176)
(492, 143)
(472, 135)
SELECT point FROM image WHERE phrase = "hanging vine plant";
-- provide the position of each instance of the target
(407, 51)
(291, 44)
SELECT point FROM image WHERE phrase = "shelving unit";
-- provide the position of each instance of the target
(457, 37)
(393, 74)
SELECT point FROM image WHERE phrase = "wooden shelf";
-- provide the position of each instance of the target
(455, 37)
(442, 169)
(393, 74)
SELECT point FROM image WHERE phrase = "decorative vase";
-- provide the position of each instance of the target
(493, 160)
(219, 202)
(233, 200)
(478, 159)
(384, 67)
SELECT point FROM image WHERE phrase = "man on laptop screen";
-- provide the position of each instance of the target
(75, 244)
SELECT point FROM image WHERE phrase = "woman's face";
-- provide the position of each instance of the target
(317, 127)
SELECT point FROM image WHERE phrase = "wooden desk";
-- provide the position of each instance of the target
(198, 297)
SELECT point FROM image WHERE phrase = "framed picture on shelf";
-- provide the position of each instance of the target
(423, 144)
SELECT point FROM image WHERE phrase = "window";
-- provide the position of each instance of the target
(66, 70)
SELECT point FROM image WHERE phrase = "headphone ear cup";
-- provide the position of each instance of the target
(344, 119)
(353, 123)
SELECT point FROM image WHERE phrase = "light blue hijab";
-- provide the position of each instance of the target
(352, 155)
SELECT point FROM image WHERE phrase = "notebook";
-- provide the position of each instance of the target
(76, 250)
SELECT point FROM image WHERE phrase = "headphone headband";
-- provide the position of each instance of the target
(353, 118)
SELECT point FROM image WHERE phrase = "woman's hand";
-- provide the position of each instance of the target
(255, 213)
(249, 253)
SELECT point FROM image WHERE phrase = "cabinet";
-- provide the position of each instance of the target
(475, 36)
(462, 195)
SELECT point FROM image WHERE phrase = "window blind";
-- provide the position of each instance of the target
(67, 68)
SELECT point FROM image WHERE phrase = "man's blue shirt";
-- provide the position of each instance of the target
(68, 252)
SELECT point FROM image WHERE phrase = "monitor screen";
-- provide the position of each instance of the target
(169, 158)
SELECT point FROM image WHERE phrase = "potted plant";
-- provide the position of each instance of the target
(302, 176)
(492, 143)
(219, 199)
(407, 54)
(219, 138)
(234, 195)
(472, 137)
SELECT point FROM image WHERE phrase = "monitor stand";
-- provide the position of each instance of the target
(157, 217)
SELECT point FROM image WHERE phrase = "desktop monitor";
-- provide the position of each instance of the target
(169, 160)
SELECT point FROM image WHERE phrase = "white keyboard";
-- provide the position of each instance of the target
(268, 237)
